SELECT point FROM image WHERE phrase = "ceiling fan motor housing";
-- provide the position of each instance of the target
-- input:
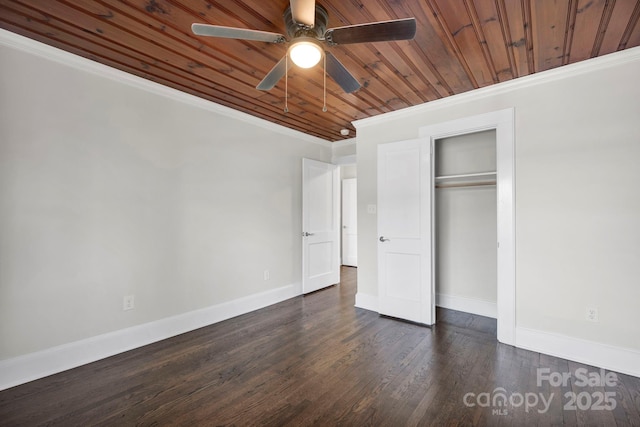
(295, 30)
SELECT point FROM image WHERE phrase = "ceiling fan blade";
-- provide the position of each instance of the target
(398, 29)
(304, 12)
(274, 76)
(236, 33)
(340, 74)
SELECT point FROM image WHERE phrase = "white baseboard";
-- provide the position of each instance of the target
(47, 362)
(366, 301)
(600, 355)
(468, 305)
(618, 359)
(350, 261)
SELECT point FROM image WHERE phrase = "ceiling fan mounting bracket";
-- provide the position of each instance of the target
(295, 29)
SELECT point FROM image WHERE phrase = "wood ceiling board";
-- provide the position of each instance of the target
(590, 15)
(622, 14)
(492, 25)
(549, 24)
(520, 43)
(631, 37)
(434, 44)
(458, 23)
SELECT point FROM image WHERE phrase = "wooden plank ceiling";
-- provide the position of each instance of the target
(459, 45)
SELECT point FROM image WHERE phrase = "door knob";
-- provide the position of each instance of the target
(305, 234)
(382, 239)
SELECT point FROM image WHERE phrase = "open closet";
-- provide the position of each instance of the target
(465, 223)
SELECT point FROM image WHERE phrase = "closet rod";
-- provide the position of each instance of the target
(467, 184)
(468, 175)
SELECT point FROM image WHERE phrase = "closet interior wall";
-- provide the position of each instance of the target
(466, 223)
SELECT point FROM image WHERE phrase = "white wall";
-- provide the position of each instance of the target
(348, 171)
(111, 186)
(577, 145)
(344, 150)
(344, 154)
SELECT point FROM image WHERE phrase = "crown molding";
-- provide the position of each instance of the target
(560, 73)
(25, 44)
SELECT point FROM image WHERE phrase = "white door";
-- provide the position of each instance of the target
(404, 231)
(320, 225)
(349, 222)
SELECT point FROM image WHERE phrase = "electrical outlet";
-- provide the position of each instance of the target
(128, 303)
(266, 275)
(592, 314)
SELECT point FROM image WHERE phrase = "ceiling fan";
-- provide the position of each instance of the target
(306, 24)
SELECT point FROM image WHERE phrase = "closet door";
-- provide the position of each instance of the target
(404, 230)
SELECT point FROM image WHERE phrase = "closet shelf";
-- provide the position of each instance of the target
(466, 180)
(467, 176)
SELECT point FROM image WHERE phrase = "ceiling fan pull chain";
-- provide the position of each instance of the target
(286, 83)
(324, 86)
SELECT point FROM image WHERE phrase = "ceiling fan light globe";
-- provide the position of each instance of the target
(305, 54)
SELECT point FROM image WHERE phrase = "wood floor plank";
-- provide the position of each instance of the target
(316, 360)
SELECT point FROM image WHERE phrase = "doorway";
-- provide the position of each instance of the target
(465, 223)
(349, 222)
(349, 215)
(502, 122)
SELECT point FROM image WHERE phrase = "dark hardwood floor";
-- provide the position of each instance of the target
(318, 360)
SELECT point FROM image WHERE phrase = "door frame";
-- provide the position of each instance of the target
(502, 122)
